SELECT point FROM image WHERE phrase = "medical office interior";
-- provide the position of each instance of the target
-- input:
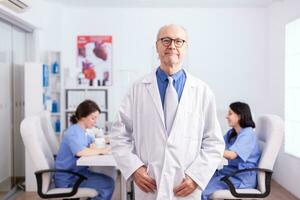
(246, 50)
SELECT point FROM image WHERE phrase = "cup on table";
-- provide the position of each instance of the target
(100, 142)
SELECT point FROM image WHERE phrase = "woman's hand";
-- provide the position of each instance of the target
(104, 150)
(93, 145)
(230, 155)
(93, 151)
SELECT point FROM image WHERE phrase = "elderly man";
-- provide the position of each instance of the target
(167, 137)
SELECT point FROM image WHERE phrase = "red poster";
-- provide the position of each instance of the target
(94, 58)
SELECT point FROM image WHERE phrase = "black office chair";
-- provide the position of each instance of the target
(43, 160)
(269, 130)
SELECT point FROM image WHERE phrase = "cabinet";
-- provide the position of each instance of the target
(74, 96)
(52, 97)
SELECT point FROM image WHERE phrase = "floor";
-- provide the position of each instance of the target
(277, 193)
(34, 196)
(2, 194)
(8, 184)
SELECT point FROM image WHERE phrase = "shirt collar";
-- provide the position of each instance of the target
(80, 128)
(244, 129)
(163, 76)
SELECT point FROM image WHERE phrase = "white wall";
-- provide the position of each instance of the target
(281, 13)
(227, 46)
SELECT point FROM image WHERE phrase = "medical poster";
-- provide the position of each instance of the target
(94, 59)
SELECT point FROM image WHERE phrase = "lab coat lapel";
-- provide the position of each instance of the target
(152, 87)
(185, 101)
(188, 94)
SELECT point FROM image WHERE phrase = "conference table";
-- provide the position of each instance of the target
(103, 161)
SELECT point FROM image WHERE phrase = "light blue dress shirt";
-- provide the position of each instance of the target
(162, 82)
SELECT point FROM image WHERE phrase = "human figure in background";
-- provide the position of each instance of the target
(167, 136)
(76, 143)
(242, 151)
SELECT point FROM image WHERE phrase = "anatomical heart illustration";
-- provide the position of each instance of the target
(94, 58)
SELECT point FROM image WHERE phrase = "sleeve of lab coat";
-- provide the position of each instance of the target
(212, 148)
(122, 141)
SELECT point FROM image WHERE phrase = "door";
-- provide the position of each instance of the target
(5, 108)
(12, 60)
(18, 61)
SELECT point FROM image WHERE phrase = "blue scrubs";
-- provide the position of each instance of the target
(246, 146)
(76, 139)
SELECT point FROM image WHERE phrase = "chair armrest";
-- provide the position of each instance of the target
(249, 195)
(74, 190)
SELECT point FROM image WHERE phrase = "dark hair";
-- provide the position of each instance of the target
(244, 112)
(84, 109)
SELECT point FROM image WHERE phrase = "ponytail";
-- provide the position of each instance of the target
(73, 119)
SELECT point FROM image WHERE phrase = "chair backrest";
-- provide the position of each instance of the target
(37, 148)
(269, 130)
(48, 131)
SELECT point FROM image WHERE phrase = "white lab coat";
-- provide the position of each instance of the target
(194, 147)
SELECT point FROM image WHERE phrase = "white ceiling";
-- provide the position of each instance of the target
(165, 3)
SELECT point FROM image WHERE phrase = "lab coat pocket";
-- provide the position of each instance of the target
(150, 171)
(179, 177)
(195, 195)
(191, 151)
(192, 137)
(139, 194)
(193, 125)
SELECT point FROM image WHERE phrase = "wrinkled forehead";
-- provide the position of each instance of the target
(172, 31)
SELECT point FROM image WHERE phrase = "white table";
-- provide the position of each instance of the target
(98, 160)
(103, 160)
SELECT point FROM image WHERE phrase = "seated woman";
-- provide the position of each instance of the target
(241, 150)
(76, 143)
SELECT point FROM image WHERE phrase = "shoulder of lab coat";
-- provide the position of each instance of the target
(212, 144)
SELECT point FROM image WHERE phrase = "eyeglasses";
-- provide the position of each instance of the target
(166, 41)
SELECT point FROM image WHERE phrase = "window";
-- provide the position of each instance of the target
(292, 88)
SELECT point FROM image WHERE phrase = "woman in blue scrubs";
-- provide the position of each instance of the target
(241, 150)
(76, 143)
